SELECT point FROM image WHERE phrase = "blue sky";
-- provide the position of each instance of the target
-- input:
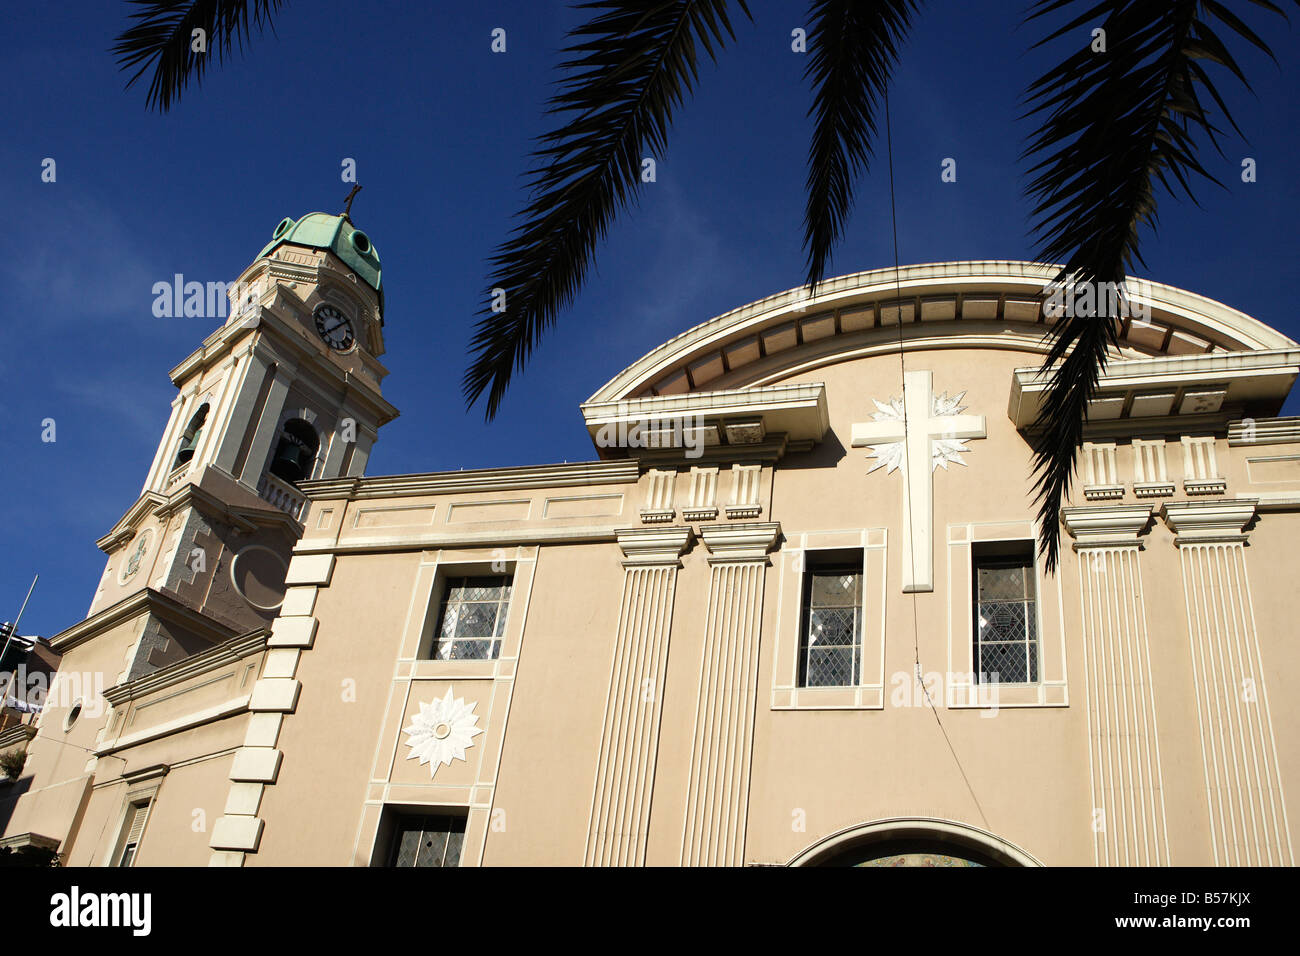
(440, 127)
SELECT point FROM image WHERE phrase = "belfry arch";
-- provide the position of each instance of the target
(902, 838)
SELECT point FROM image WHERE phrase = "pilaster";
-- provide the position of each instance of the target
(1247, 806)
(1128, 810)
(717, 800)
(260, 449)
(629, 743)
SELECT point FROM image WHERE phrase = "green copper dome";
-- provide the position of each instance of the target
(319, 230)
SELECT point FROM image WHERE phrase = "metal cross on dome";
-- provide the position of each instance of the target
(347, 203)
(917, 434)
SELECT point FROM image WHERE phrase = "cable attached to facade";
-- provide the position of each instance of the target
(902, 369)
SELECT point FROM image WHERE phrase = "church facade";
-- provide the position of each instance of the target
(792, 611)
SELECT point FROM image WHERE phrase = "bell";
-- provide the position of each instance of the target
(186, 451)
(287, 463)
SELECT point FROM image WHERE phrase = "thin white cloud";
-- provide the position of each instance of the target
(688, 250)
(75, 259)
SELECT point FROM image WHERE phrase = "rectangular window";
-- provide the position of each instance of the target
(433, 840)
(472, 619)
(830, 645)
(1006, 613)
(132, 831)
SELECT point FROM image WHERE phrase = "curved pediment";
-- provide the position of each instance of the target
(989, 304)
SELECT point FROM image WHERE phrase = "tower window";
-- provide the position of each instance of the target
(1006, 614)
(296, 452)
(190, 437)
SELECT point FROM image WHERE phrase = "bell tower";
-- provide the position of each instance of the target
(287, 390)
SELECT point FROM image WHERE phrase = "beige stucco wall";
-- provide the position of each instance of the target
(814, 771)
(596, 717)
(55, 777)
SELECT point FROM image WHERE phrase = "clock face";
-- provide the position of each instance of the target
(334, 328)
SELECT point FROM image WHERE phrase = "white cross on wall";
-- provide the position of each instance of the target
(917, 462)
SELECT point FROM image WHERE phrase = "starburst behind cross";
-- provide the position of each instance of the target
(943, 450)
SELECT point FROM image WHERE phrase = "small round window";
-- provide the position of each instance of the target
(281, 229)
(73, 714)
(360, 242)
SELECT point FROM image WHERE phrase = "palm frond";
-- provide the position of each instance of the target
(855, 44)
(1113, 125)
(628, 70)
(162, 39)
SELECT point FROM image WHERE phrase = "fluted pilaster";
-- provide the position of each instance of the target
(717, 800)
(1128, 816)
(629, 742)
(1247, 807)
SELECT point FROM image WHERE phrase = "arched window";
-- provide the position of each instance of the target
(295, 454)
(190, 437)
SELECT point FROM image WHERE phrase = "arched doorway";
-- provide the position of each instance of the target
(913, 842)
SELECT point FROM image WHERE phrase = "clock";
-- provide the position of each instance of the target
(334, 328)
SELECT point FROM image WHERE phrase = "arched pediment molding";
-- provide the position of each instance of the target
(993, 304)
(897, 831)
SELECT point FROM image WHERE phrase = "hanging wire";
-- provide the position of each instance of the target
(902, 370)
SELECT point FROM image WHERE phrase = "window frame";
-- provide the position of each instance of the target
(124, 843)
(850, 561)
(438, 604)
(870, 546)
(396, 821)
(1005, 554)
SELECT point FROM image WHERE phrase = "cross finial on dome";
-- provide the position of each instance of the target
(347, 203)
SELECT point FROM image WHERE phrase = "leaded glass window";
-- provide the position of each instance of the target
(433, 840)
(472, 619)
(830, 647)
(1006, 619)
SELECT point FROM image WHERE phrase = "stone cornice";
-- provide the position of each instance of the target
(245, 645)
(1106, 526)
(1239, 380)
(39, 840)
(740, 542)
(143, 601)
(722, 351)
(1209, 522)
(192, 495)
(124, 530)
(146, 774)
(653, 546)
(730, 423)
(474, 481)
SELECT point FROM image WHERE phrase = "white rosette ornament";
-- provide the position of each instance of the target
(442, 731)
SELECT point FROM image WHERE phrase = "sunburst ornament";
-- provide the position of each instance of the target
(942, 450)
(442, 731)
